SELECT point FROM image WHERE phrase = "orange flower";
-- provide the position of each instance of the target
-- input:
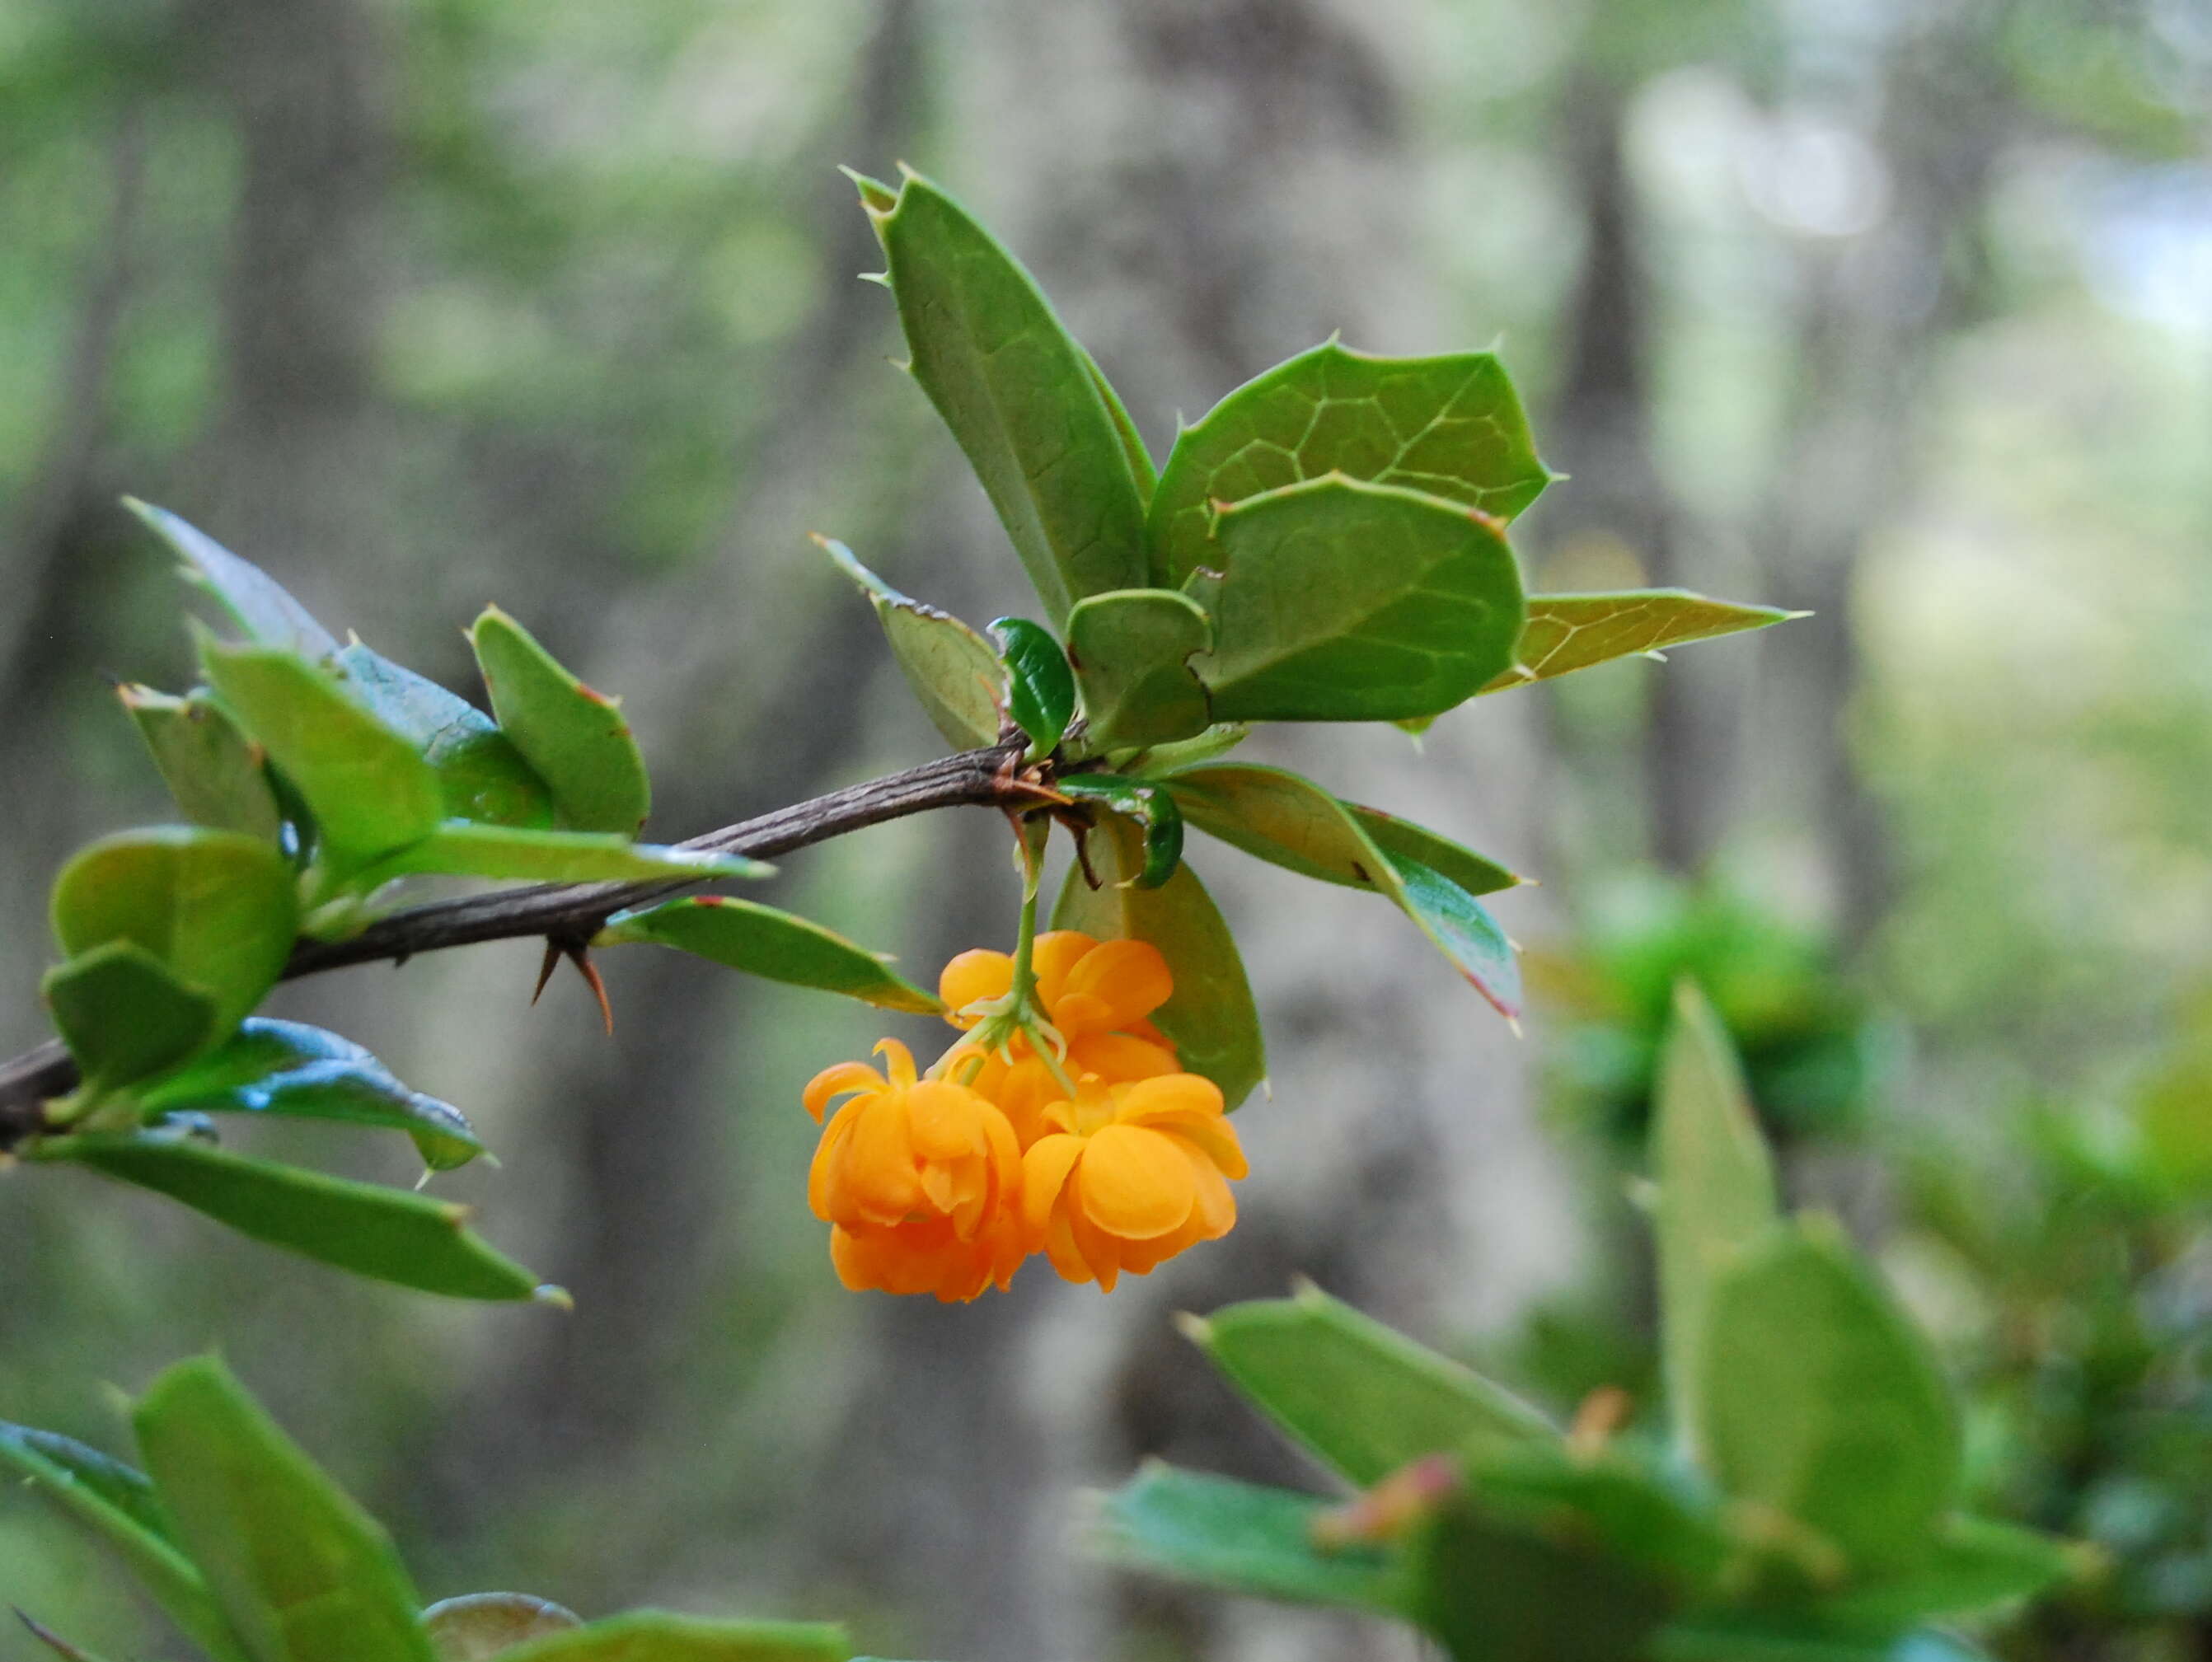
(1129, 1175)
(920, 1176)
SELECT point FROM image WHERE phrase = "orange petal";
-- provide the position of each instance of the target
(836, 1081)
(973, 975)
(1216, 1207)
(1168, 1097)
(900, 1061)
(1053, 954)
(1213, 1136)
(945, 1121)
(1119, 1058)
(1044, 1174)
(1135, 1183)
(878, 1168)
(1129, 980)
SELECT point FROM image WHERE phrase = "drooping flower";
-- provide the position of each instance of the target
(921, 1178)
(1127, 1175)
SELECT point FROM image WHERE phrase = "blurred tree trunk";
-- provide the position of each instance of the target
(1396, 1159)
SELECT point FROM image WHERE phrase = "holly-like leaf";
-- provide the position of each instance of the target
(762, 941)
(1291, 821)
(217, 908)
(1132, 650)
(952, 670)
(1040, 686)
(1337, 600)
(386, 1235)
(1818, 1397)
(118, 1507)
(1243, 1537)
(303, 1573)
(212, 769)
(253, 600)
(368, 786)
(481, 774)
(1360, 1396)
(460, 849)
(1971, 1565)
(1447, 426)
(124, 1016)
(296, 1071)
(1210, 1019)
(574, 738)
(661, 1636)
(1403, 840)
(478, 1626)
(1148, 805)
(1020, 396)
(1569, 631)
(1717, 1192)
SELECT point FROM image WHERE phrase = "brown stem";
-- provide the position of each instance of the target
(573, 913)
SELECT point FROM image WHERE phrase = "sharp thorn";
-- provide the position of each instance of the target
(545, 969)
(581, 957)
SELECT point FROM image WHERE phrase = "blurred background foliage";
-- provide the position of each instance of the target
(1902, 314)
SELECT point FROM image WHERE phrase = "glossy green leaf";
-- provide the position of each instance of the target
(1449, 427)
(659, 1636)
(387, 1235)
(1341, 601)
(1569, 631)
(952, 670)
(1020, 396)
(574, 738)
(762, 941)
(217, 908)
(478, 1626)
(1289, 821)
(1243, 1537)
(1141, 468)
(369, 787)
(212, 769)
(1040, 685)
(304, 1575)
(1211, 1018)
(1403, 840)
(1132, 650)
(124, 1016)
(1717, 1192)
(118, 1507)
(1360, 1396)
(1493, 1591)
(296, 1071)
(1817, 1397)
(460, 849)
(253, 600)
(1148, 805)
(1215, 742)
(1971, 1565)
(481, 774)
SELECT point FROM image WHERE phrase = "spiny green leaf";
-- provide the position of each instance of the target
(1148, 805)
(574, 738)
(212, 769)
(460, 849)
(1362, 1397)
(481, 774)
(1447, 427)
(124, 1016)
(304, 1575)
(1717, 1192)
(1019, 395)
(762, 941)
(1132, 650)
(1817, 1397)
(660, 1636)
(1243, 1537)
(1337, 600)
(478, 1626)
(1289, 821)
(255, 602)
(387, 1235)
(369, 787)
(118, 1507)
(1040, 686)
(293, 1070)
(1210, 1019)
(952, 670)
(217, 908)
(1569, 631)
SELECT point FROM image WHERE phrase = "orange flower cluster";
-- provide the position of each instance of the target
(1096, 1151)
